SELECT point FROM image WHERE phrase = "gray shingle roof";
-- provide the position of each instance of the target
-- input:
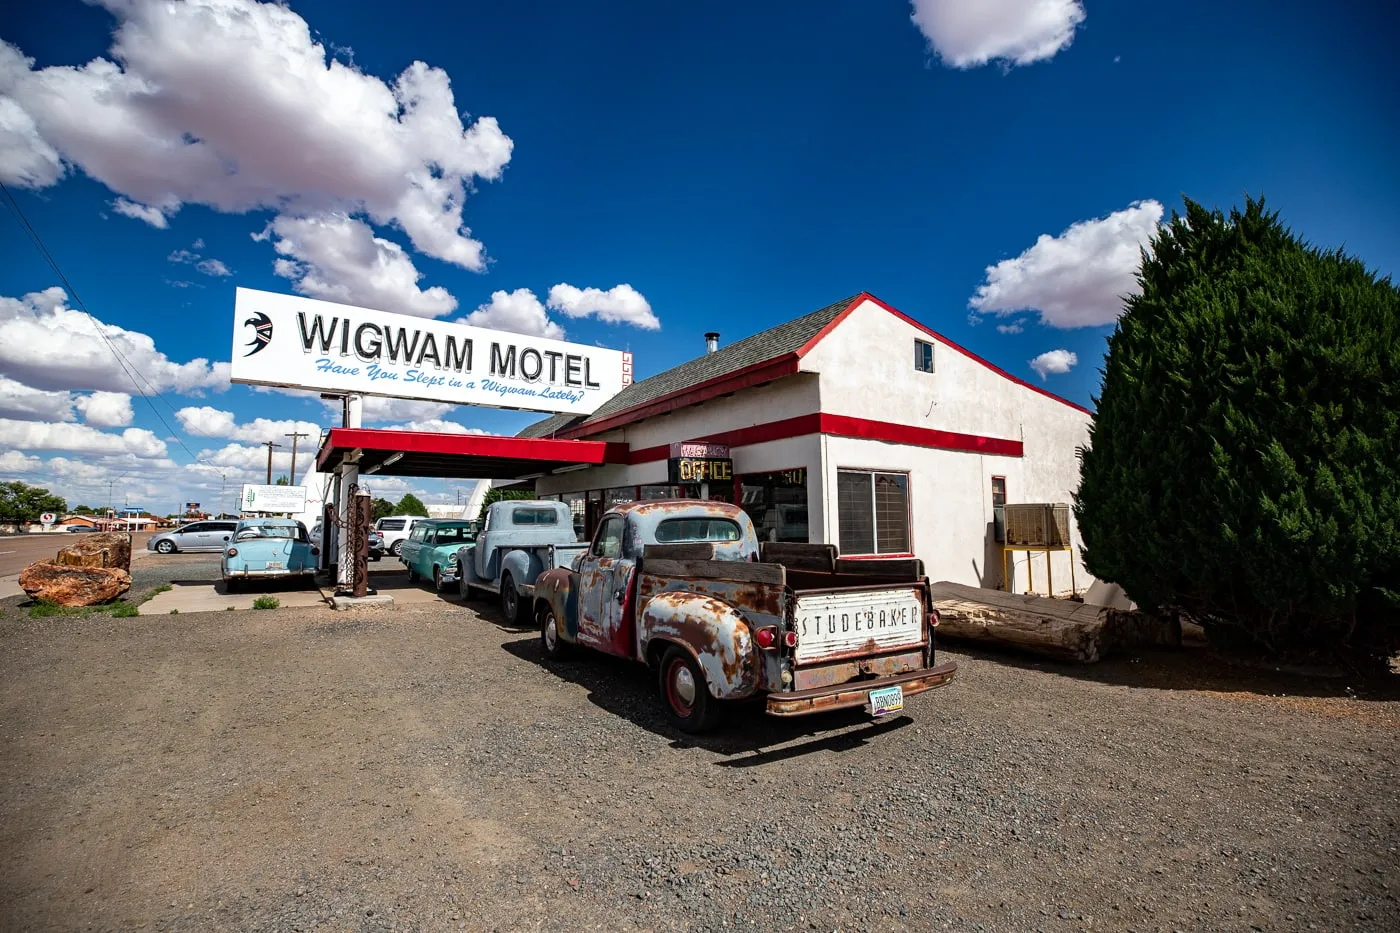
(761, 347)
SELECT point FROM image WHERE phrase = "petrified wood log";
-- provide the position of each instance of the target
(73, 586)
(1057, 628)
(104, 549)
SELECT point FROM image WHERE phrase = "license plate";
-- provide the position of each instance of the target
(887, 700)
(274, 565)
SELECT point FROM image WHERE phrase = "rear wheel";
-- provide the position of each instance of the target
(512, 606)
(412, 574)
(685, 693)
(555, 648)
(396, 547)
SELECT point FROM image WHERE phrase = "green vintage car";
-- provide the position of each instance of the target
(430, 551)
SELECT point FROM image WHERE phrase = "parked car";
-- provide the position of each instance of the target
(196, 536)
(521, 538)
(684, 587)
(76, 529)
(268, 549)
(430, 552)
(395, 530)
(376, 545)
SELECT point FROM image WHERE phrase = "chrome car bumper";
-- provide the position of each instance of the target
(301, 572)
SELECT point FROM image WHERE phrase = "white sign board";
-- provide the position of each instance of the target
(48, 518)
(257, 498)
(283, 340)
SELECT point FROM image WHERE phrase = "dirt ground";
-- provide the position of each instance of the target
(426, 769)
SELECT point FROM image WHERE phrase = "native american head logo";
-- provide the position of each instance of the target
(262, 332)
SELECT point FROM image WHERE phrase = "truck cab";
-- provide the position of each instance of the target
(685, 587)
(519, 540)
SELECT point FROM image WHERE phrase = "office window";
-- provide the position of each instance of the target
(923, 356)
(872, 511)
(999, 507)
(777, 503)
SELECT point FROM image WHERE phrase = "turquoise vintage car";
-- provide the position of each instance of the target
(430, 551)
(268, 548)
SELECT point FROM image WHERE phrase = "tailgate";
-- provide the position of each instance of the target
(858, 621)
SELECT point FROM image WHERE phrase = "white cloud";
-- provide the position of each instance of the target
(1054, 361)
(233, 104)
(106, 409)
(337, 258)
(1015, 327)
(151, 215)
(434, 426)
(25, 159)
(213, 267)
(971, 33)
(207, 421)
(40, 435)
(18, 400)
(250, 462)
(208, 266)
(12, 462)
(621, 304)
(46, 344)
(519, 312)
(1076, 279)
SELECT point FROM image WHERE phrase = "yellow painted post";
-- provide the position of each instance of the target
(1030, 574)
(1005, 577)
(1074, 587)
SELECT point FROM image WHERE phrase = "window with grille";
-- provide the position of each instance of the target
(923, 356)
(872, 511)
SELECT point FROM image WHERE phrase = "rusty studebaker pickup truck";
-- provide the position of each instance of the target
(685, 587)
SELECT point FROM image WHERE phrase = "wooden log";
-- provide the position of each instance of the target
(105, 549)
(1056, 628)
(73, 586)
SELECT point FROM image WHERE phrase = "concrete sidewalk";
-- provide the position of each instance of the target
(211, 596)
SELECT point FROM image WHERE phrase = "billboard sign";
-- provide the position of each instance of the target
(259, 498)
(303, 343)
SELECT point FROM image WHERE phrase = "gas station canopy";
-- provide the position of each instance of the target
(474, 456)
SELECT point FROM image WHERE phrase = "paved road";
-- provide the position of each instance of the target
(19, 551)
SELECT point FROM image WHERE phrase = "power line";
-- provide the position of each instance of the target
(38, 243)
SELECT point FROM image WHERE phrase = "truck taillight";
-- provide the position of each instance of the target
(933, 618)
(790, 639)
(766, 637)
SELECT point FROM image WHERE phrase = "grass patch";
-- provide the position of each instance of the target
(266, 602)
(124, 611)
(228, 608)
(163, 588)
(174, 612)
(48, 609)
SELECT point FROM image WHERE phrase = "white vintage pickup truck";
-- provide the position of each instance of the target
(685, 587)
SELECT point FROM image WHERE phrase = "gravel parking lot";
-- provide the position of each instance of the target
(425, 769)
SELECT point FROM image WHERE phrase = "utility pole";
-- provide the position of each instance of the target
(294, 454)
(270, 445)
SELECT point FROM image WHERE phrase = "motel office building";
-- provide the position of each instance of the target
(854, 425)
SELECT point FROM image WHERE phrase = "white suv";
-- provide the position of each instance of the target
(395, 530)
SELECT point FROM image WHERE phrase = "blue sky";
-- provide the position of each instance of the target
(733, 166)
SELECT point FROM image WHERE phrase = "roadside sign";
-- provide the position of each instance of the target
(260, 498)
(47, 519)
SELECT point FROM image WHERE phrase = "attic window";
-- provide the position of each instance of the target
(923, 356)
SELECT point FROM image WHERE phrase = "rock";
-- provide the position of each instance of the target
(73, 586)
(105, 549)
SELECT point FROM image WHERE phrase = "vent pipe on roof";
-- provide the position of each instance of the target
(712, 341)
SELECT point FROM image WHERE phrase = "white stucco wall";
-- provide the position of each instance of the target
(865, 369)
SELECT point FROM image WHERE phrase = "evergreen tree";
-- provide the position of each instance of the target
(1244, 462)
(21, 502)
(383, 508)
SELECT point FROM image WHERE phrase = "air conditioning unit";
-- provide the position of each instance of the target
(1037, 524)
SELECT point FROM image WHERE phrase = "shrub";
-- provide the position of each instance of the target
(44, 609)
(266, 602)
(1244, 463)
(124, 611)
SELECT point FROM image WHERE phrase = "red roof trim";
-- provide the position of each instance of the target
(472, 445)
(842, 426)
(944, 340)
(749, 376)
